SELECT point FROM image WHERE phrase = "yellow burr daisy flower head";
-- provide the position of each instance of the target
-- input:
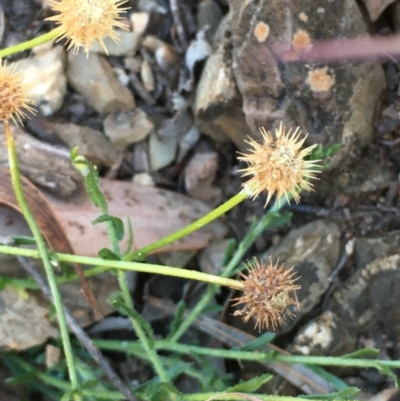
(84, 21)
(14, 101)
(277, 165)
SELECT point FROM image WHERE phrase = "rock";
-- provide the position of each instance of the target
(24, 321)
(218, 105)
(147, 77)
(334, 102)
(93, 77)
(209, 14)
(124, 129)
(199, 49)
(127, 45)
(366, 175)
(376, 7)
(45, 165)
(91, 143)
(162, 151)
(45, 77)
(366, 250)
(187, 142)
(199, 177)
(313, 250)
(212, 258)
(368, 298)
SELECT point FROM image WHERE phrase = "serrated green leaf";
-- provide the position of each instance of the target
(362, 353)
(94, 192)
(250, 386)
(346, 394)
(258, 342)
(388, 372)
(108, 254)
(161, 392)
(117, 301)
(118, 225)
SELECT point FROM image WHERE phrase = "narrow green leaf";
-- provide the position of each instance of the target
(180, 309)
(346, 394)
(362, 353)
(335, 381)
(117, 223)
(130, 236)
(117, 301)
(250, 386)
(388, 372)
(108, 254)
(160, 392)
(22, 240)
(94, 192)
(74, 154)
(259, 342)
(229, 251)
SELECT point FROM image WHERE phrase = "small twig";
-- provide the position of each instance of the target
(80, 334)
(180, 30)
(333, 278)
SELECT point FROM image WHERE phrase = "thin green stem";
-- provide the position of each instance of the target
(42, 250)
(29, 44)
(264, 356)
(140, 254)
(103, 265)
(123, 283)
(228, 271)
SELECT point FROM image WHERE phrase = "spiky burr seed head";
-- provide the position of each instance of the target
(14, 102)
(84, 21)
(268, 291)
(277, 165)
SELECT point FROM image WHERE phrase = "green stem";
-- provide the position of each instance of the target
(123, 283)
(29, 44)
(42, 251)
(103, 265)
(235, 260)
(140, 254)
(264, 356)
(151, 352)
(113, 395)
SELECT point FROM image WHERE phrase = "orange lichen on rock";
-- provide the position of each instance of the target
(261, 31)
(303, 17)
(319, 80)
(301, 40)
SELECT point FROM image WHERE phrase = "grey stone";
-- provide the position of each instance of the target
(91, 143)
(124, 129)
(93, 77)
(313, 250)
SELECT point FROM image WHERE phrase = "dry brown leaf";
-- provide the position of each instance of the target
(47, 222)
(154, 213)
